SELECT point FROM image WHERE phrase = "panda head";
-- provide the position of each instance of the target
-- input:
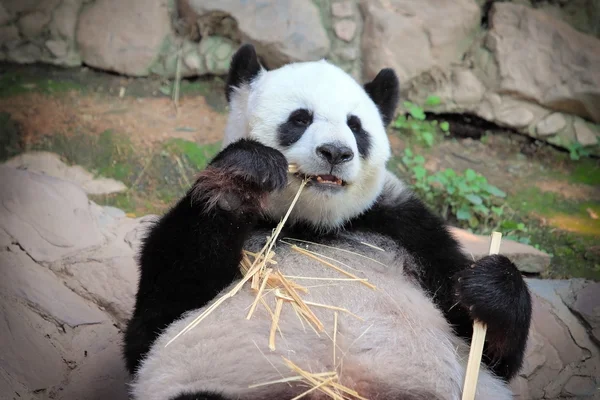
(323, 121)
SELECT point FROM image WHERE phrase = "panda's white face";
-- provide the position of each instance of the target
(323, 121)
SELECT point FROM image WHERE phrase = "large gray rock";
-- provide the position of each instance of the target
(50, 218)
(123, 36)
(45, 31)
(546, 60)
(282, 31)
(50, 164)
(29, 361)
(42, 290)
(527, 258)
(413, 37)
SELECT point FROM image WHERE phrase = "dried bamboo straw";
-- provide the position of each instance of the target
(478, 340)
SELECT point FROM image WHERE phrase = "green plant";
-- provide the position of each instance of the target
(416, 123)
(577, 151)
(468, 197)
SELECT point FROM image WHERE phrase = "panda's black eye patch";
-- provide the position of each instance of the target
(301, 117)
(292, 130)
(363, 140)
(354, 123)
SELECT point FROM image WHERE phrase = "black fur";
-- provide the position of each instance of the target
(491, 290)
(191, 254)
(363, 140)
(384, 90)
(292, 130)
(244, 67)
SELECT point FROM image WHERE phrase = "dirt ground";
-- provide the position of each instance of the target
(559, 197)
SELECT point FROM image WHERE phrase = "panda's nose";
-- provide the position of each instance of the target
(335, 153)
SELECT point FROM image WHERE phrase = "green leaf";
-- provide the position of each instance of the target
(493, 190)
(445, 126)
(470, 174)
(463, 214)
(420, 172)
(498, 211)
(473, 198)
(433, 100)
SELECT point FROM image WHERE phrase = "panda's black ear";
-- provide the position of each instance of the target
(244, 67)
(384, 90)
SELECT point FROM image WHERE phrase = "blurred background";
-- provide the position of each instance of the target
(498, 129)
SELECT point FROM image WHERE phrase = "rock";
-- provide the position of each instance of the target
(551, 124)
(35, 210)
(8, 34)
(25, 54)
(123, 36)
(345, 29)
(584, 301)
(342, 9)
(467, 89)
(5, 17)
(50, 164)
(33, 24)
(413, 37)
(217, 52)
(42, 290)
(546, 60)
(101, 374)
(108, 281)
(584, 386)
(294, 33)
(347, 53)
(527, 258)
(517, 117)
(58, 48)
(584, 134)
(28, 357)
(559, 348)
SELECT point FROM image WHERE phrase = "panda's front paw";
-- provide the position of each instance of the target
(251, 163)
(240, 177)
(494, 292)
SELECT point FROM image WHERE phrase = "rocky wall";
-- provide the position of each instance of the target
(528, 65)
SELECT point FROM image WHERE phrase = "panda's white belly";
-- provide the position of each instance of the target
(394, 345)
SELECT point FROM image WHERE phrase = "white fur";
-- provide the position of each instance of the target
(332, 95)
(404, 346)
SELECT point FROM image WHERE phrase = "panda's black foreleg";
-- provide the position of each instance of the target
(490, 290)
(193, 252)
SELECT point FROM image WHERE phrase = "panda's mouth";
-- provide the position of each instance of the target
(322, 180)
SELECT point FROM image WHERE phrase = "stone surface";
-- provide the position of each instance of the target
(39, 226)
(467, 88)
(345, 29)
(32, 24)
(294, 33)
(5, 17)
(546, 60)
(413, 37)
(551, 124)
(584, 134)
(527, 258)
(41, 289)
(57, 47)
(342, 9)
(51, 164)
(27, 356)
(123, 36)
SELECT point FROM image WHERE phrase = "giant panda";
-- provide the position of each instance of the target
(411, 338)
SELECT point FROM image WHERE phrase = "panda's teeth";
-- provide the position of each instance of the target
(319, 179)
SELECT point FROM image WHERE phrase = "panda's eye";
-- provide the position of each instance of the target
(354, 124)
(301, 117)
